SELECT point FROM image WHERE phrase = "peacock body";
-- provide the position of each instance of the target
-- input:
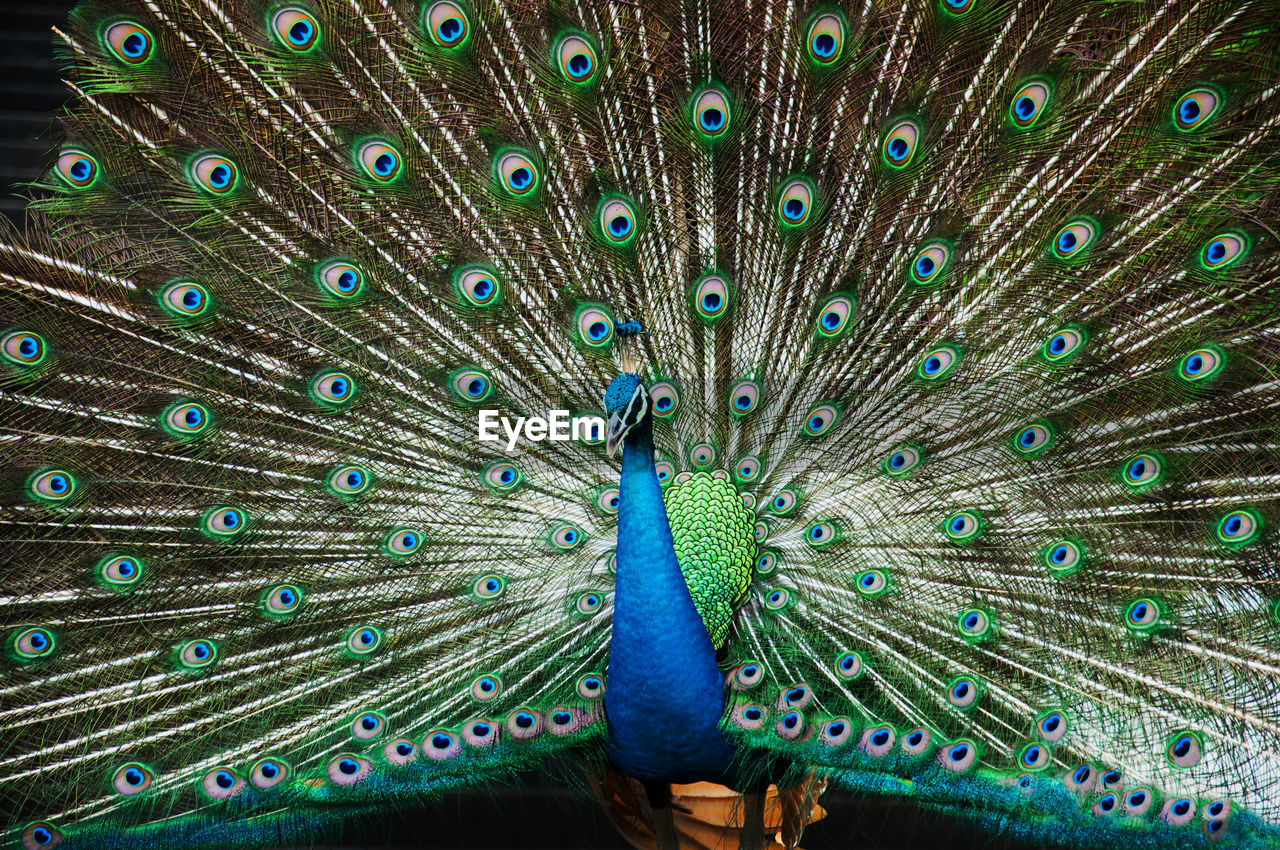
(939, 340)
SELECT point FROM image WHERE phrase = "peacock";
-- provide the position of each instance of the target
(921, 358)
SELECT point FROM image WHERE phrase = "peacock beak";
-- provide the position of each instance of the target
(617, 432)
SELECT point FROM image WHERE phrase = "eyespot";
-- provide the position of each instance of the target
(1052, 726)
(1074, 238)
(595, 326)
(185, 420)
(479, 732)
(1106, 805)
(213, 173)
(664, 398)
(963, 526)
(710, 296)
(820, 534)
(1111, 779)
(901, 461)
(1239, 527)
(349, 480)
(41, 835)
(1064, 344)
(222, 783)
(607, 501)
(784, 502)
(712, 112)
(363, 640)
(565, 721)
(1029, 104)
(1142, 471)
(77, 169)
(589, 603)
(825, 40)
(1216, 816)
(1142, 615)
(878, 741)
(197, 654)
(917, 742)
(974, 623)
(1201, 364)
(749, 717)
(524, 724)
(795, 202)
(52, 485)
(470, 385)
(379, 160)
(566, 536)
(1185, 749)
(1221, 251)
(928, 266)
(368, 726)
(963, 693)
(702, 454)
(871, 583)
(1137, 802)
(486, 688)
(502, 476)
(938, 362)
(790, 726)
(577, 58)
(747, 468)
(401, 751)
(184, 299)
(478, 286)
(1034, 757)
(1081, 780)
(1033, 439)
(958, 7)
(333, 388)
(591, 686)
(340, 279)
(743, 397)
(797, 696)
(1196, 107)
(133, 778)
(1178, 812)
(282, 600)
(447, 24)
(348, 769)
(958, 757)
(760, 532)
(834, 316)
(617, 220)
(23, 348)
(836, 732)
(849, 665)
(402, 541)
(589, 428)
(489, 586)
(295, 28)
(747, 676)
(899, 146)
(268, 773)
(665, 471)
(821, 420)
(129, 42)
(225, 522)
(121, 571)
(516, 173)
(33, 643)
(766, 563)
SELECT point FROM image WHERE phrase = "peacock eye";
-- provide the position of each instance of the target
(349, 480)
(1074, 238)
(589, 603)
(379, 160)
(595, 326)
(565, 536)
(747, 468)
(1111, 779)
(712, 112)
(607, 501)
(963, 526)
(749, 716)
(268, 773)
(710, 296)
(1224, 250)
(401, 752)
(958, 757)
(446, 23)
(32, 643)
(185, 420)
(502, 476)
(577, 58)
(470, 385)
(1033, 439)
(825, 40)
(197, 654)
(776, 600)
(938, 362)
(666, 472)
(1201, 365)
(213, 173)
(1239, 527)
(516, 173)
(702, 455)
(766, 563)
(834, 316)
(282, 600)
(1137, 802)
(1185, 749)
(120, 571)
(1063, 557)
(129, 42)
(974, 623)
(52, 485)
(784, 502)
(790, 726)
(486, 688)
(363, 640)
(878, 741)
(184, 298)
(1178, 811)
(1195, 108)
(1142, 471)
(1106, 804)
(820, 534)
(916, 742)
(743, 397)
(524, 724)
(479, 732)
(617, 220)
(348, 769)
(899, 146)
(930, 263)
(1034, 757)
(795, 201)
(1081, 780)
(478, 286)
(1063, 344)
(1142, 615)
(403, 541)
(368, 726)
(333, 388)
(132, 778)
(821, 420)
(340, 279)
(835, 732)
(872, 583)
(225, 522)
(591, 686)
(222, 783)
(41, 835)
(77, 169)
(957, 7)
(665, 398)
(748, 675)
(963, 693)
(489, 586)
(23, 348)
(901, 461)
(1029, 104)
(760, 531)
(295, 28)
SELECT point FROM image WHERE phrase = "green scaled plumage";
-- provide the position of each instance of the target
(961, 326)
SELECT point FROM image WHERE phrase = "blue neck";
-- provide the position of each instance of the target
(664, 694)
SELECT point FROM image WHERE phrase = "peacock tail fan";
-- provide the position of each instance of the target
(971, 305)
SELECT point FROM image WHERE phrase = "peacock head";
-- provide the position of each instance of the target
(626, 403)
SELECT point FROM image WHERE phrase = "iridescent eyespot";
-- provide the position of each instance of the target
(850, 665)
(32, 643)
(902, 461)
(577, 58)
(747, 468)
(664, 398)
(363, 640)
(790, 726)
(1081, 780)
(607, 501)
(379, 160)
(348, 769)
(963, 526)
(710, 295)
(1063, 344)
(899, 146)
(486, 688)
(479, 732)
(52, 485)
(281, 600)
(974, 623)
(1196, 107)
(1111, 779)
(489, 586)
(1178, 811)
(957, 7)
(1224, 250)
(871, 583)
(446, 23)
(938, 362)
(702, 455)
(1142, 471)
(766, 563)
(213, 173)
(76, 168)
(1142, 615)
(1137, 802)
(224, 522)
(963, 693)
(748, 717)
(748, 675)
(784, 502)
(268, 773)
(588, 603)
(666, 472)
(333, 388)
(368, 726)
(185, 419)
(524, 724)
(617, 219)
(1029, 103)
(776, 599)
(1201, 364)
(565, 536)
(916, 742)
(120, 572)
(340, 279)
(825, 39)
(711, 112)
(502, 476)
(478, 286)
(184, 299)
(197, 654)
(222, 783)
(401, 752)
(470, 385)
(516, 173)
(295, 28)
(440, 745)
(1033, 439)
(402, 541)
(1052, 726)
(1185, 749)
(591, 686)
(820, 534)
(129, 42)
(1239, 527)
(23, 348)
(833, 317)
(132, 778)
(1216, 815)
(958, 757)
(1063, 557)
(743, 397)
(348, 480)
(930, 263)
(795, 201)
(595, 326)
(41, 835)
(1074, 238)
(760, 531)
(821, 420)
(835, 732)
(1106, 804)
(1034, 757)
